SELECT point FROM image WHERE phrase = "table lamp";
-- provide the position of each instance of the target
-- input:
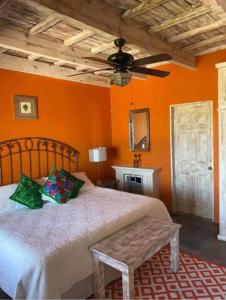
(98, 155)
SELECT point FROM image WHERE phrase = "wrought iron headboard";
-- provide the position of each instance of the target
(34, 156)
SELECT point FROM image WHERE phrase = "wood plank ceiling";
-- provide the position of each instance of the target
(51, 37)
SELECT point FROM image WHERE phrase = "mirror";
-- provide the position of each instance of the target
(139, 134)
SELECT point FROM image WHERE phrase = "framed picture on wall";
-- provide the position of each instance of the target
(25, 107)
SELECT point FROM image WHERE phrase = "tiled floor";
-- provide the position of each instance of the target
(197, 237)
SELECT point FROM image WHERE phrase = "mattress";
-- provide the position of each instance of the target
(44, 252)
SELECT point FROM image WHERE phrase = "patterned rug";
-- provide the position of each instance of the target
(196, 279)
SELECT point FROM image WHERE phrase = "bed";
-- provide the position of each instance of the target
(44, 252)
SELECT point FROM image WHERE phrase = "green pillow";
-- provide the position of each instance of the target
(78, 183)
(27, 193)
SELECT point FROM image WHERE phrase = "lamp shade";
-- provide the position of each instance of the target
(98, 154)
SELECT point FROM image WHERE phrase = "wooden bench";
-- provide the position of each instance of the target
(129, 247)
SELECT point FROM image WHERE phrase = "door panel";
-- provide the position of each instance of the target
(191, 158)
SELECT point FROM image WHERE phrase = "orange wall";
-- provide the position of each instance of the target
(79, 114)
(183, 85)
(74, 113)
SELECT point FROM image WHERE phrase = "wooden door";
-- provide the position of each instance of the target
(192, 158)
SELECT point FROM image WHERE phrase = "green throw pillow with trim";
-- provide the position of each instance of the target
(78, 183)
(27, 193)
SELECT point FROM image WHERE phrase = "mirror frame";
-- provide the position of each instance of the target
(131, 129)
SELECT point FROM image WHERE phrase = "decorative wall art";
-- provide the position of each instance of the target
(26, 107)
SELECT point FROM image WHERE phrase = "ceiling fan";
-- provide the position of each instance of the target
(123, 65)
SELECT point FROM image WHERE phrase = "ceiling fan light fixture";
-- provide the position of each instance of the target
(121, 78)
(123, 64)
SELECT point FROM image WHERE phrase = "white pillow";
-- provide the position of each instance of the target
(87, 185)
(41, 180)
(6, 204)
(48, 199)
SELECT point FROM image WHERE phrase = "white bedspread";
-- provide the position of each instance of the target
(44, 252)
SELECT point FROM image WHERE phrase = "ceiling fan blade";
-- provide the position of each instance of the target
(147, 71)
(100, 60)
(96, 59)
(89, 72)
(152, 59)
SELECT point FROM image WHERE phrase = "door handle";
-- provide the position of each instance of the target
(210, 168)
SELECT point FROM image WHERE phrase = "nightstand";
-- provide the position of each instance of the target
(107, 183)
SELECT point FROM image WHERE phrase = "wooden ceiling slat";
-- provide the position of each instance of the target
(4, 5)
(134, 51)
(216, 6)
(45, 24)
(142, 8)
(212, 49)
(207, 42)
(189, 14)
(78, 37)
(197, 31)
(222, 4)
(102, 48)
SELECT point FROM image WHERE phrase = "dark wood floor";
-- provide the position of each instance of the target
(197, 237)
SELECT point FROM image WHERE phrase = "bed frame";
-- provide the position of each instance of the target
(34, 156)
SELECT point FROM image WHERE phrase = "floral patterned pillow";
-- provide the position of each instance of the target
(77, 182)
(58, 187)
(27, 193)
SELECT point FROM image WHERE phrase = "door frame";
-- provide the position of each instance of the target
(172, 107)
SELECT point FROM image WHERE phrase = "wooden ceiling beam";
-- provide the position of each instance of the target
(106, 46)
(196, 31)
(79, 69)
(43, 69)
(33, 56)
(78, 37)
(98, 15)
(36, 47)
(191, 13)
(143, 7)
(207, 42)
(45, 24)
(63, 17)
(59, 63)
(33, 45)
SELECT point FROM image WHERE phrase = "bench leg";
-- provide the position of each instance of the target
(99, 282)
(128, 284)
(174, 252)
